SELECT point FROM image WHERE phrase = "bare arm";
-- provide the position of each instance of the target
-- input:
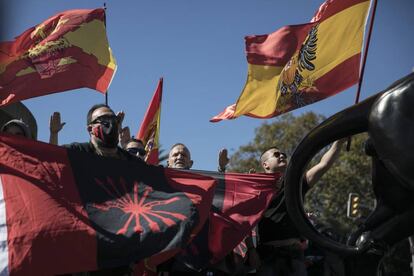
(327, 160)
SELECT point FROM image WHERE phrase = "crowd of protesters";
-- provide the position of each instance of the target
(276, 249)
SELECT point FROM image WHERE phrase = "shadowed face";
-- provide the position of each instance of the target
(137, 149)
(104, 127)
(15, 130)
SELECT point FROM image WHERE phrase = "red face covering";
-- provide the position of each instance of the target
(106, 133)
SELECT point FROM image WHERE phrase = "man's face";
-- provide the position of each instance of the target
(274, 161)
(179, 158)
(104, 127)
(136, 149)
(15, 130)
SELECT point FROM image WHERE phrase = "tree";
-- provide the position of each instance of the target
(285, 133)
(350, 174)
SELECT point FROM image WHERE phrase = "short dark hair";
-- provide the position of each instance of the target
(263, 153)
(92, 109)
(135, 140)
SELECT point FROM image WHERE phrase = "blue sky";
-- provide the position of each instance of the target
(198, 47)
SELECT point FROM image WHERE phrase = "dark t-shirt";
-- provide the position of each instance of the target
(89, 148)
(124, 155)
(276, 223)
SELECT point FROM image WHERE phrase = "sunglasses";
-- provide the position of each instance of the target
(137, 151)
(278, 154)
(105, 119)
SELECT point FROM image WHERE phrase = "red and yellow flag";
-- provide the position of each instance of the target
(149, 132)
(67, 51)
(301, 64)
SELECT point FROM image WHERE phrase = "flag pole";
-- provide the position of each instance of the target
(364, 60)
(107, 91)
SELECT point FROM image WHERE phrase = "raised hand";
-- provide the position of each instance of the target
(124, 136)
(55, 123)
(120, 115)
(223, 160)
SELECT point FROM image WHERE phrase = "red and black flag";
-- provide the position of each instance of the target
(65, 211)
(239, 202)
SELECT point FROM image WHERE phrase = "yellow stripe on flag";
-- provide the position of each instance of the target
(259, 94)
(331, 43)
(91, 39)
(333, 48)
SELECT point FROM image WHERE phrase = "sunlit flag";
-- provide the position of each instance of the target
(301, 64)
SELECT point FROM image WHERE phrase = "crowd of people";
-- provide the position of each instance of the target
(274, 248)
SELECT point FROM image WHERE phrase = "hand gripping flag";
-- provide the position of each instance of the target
(301, 64)
(149, 132)
(239, 202)
(67, 51)
(65, 211)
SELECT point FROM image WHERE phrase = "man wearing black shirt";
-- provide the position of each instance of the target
(103, 127)
(280, 244)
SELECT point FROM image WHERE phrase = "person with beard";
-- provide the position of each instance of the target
(103, 127)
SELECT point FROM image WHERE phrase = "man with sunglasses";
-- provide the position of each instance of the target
(136, 147)
(280, 245)
(103, 126)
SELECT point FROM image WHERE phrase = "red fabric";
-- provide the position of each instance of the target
(39, 209)
(277, 48)
(49, 231)
(85, 73)
(149, 126)
(335, 7)
(245, 200)
(51, 76)
(227, 114)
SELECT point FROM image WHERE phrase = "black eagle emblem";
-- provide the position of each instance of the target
(291, 78)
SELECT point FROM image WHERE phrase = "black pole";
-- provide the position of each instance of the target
(364, 61)
(107, 91)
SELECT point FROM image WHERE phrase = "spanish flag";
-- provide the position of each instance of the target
(67, 51)
(301, 64)
(149, 131)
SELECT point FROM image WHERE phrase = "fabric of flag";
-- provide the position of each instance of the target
(67, 51)
(301, 64)
(149, 132)
(65, 211)
(239, 202)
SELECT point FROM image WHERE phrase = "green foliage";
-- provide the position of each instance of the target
(328, 198)
(351, 173)
(285, 133)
